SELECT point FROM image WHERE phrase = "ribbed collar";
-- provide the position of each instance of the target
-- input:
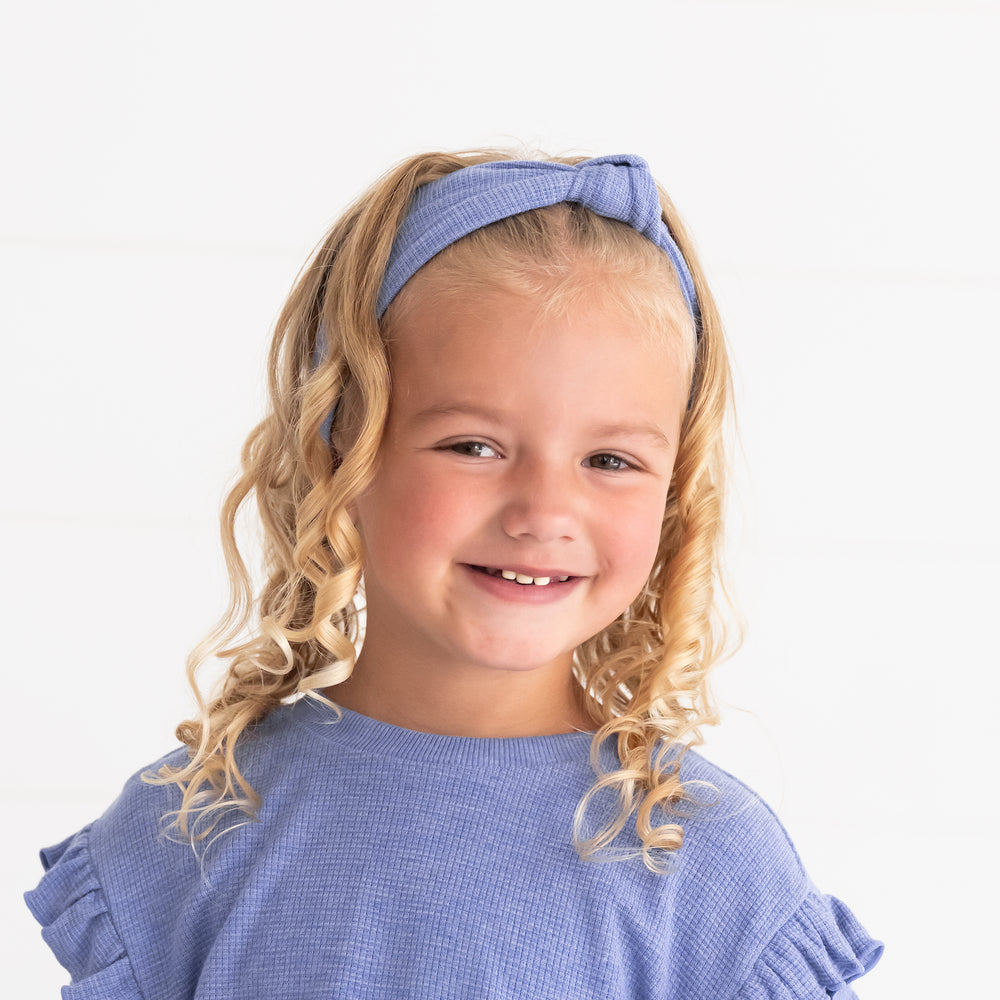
(373, 738)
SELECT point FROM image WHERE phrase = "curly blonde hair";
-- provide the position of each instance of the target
(644, 678)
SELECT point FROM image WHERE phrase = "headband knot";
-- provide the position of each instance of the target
(611, 187)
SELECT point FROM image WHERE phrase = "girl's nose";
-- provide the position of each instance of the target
(541, 506)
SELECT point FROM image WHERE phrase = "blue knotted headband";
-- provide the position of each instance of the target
(445, 210)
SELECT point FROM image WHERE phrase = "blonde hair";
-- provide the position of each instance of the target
(644, 678)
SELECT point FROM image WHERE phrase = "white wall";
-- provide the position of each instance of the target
(169, 166)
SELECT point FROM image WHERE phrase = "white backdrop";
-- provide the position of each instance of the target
(168, 168)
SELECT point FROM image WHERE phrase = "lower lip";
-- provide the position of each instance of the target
(521, 593)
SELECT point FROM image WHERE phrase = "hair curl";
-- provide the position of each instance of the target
(644, 678)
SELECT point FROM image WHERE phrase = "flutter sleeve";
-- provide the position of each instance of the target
(72, 908)
(815, 955)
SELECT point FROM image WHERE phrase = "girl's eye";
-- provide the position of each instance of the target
(608, 463)
(474, 449)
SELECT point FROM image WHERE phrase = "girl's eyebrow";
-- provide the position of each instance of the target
(644, 430)
(456, 409)
(480, 412)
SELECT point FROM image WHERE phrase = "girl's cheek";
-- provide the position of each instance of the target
(433, 508)
(634, 532)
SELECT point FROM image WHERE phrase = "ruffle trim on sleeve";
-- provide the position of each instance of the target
(71, 906)
(815, 954)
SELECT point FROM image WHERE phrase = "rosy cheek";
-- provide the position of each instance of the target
(433, 511)
(634, 534)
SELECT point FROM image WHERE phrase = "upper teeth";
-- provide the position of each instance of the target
(538, 581)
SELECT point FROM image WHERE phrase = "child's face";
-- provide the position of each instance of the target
(539, 446)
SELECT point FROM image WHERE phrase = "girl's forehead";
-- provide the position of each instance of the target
(491, 315)
(445, 329)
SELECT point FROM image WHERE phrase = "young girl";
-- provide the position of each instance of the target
(497, 400)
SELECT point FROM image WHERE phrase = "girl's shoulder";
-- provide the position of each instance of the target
(725, 818)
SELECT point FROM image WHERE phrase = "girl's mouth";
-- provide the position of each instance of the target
(524, 579)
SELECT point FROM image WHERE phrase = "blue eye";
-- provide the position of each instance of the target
(608, 462)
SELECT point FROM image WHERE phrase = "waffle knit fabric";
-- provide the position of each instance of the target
(388, 863)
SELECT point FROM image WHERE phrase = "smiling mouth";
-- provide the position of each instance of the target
(523, 579)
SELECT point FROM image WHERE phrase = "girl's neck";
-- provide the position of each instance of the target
(451, 701)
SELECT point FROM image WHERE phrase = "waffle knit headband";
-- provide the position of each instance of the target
(443, 211)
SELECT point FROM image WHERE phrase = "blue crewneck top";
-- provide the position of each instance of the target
(387, 863)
